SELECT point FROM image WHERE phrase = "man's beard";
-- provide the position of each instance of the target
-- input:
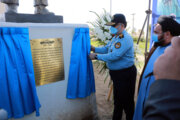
(161, 41)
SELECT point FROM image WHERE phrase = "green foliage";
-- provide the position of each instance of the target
(142, 44)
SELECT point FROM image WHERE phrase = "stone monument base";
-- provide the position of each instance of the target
(31, 18)
(52, 96)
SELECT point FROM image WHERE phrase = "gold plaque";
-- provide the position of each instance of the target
(48, 62)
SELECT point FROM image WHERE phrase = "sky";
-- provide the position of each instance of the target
(77, 11)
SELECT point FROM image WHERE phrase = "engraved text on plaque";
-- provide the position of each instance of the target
(48, 60)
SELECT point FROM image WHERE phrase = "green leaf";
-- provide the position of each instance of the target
(93, 24)
(95, 14)
(107, 75)
(110, 83)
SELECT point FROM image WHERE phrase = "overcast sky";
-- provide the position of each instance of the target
(77, 11)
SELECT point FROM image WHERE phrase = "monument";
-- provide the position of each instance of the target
(2, 11)
(42, 15)
(51, 44)
(40, 7)
(2, 8)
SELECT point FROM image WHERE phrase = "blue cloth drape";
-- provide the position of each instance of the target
(17, 82)
(81, 76)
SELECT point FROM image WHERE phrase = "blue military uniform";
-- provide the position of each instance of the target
(119, 53)
(119, 56)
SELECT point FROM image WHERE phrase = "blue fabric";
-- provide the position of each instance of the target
(117, 58)
(113, 30)
(17, 83)
(146, 83)
(81, 76)
(164, 7)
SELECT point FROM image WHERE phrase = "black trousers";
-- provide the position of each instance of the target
(124, 88)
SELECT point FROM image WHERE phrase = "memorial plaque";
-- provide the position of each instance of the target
(48, 61)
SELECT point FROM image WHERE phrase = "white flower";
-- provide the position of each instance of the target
(139, 52)
(103, 38)
(106, 41)
(102, 22)
(98, 31)
(135, 46)
(136, 62)
(108, 18)
(101, 35)
(136, 49)
(108, 35)
(101, 45)
(107, 27)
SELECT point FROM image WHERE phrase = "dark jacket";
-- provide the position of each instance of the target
(163, 102)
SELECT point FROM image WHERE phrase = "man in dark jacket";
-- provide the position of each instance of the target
(163, 102)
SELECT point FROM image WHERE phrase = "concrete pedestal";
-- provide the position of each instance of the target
(52, 96)
(32, 18)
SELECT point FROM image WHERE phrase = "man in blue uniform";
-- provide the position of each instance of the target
(164, 31)
(119, 56)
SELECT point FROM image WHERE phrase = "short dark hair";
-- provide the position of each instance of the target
(168, 23)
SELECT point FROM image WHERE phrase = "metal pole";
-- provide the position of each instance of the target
(133, 23)
(110, 7)
(142, 29)
(147, 34)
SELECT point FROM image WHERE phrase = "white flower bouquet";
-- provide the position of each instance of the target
(100, 32)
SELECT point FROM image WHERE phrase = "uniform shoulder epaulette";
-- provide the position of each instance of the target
(121, 36)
